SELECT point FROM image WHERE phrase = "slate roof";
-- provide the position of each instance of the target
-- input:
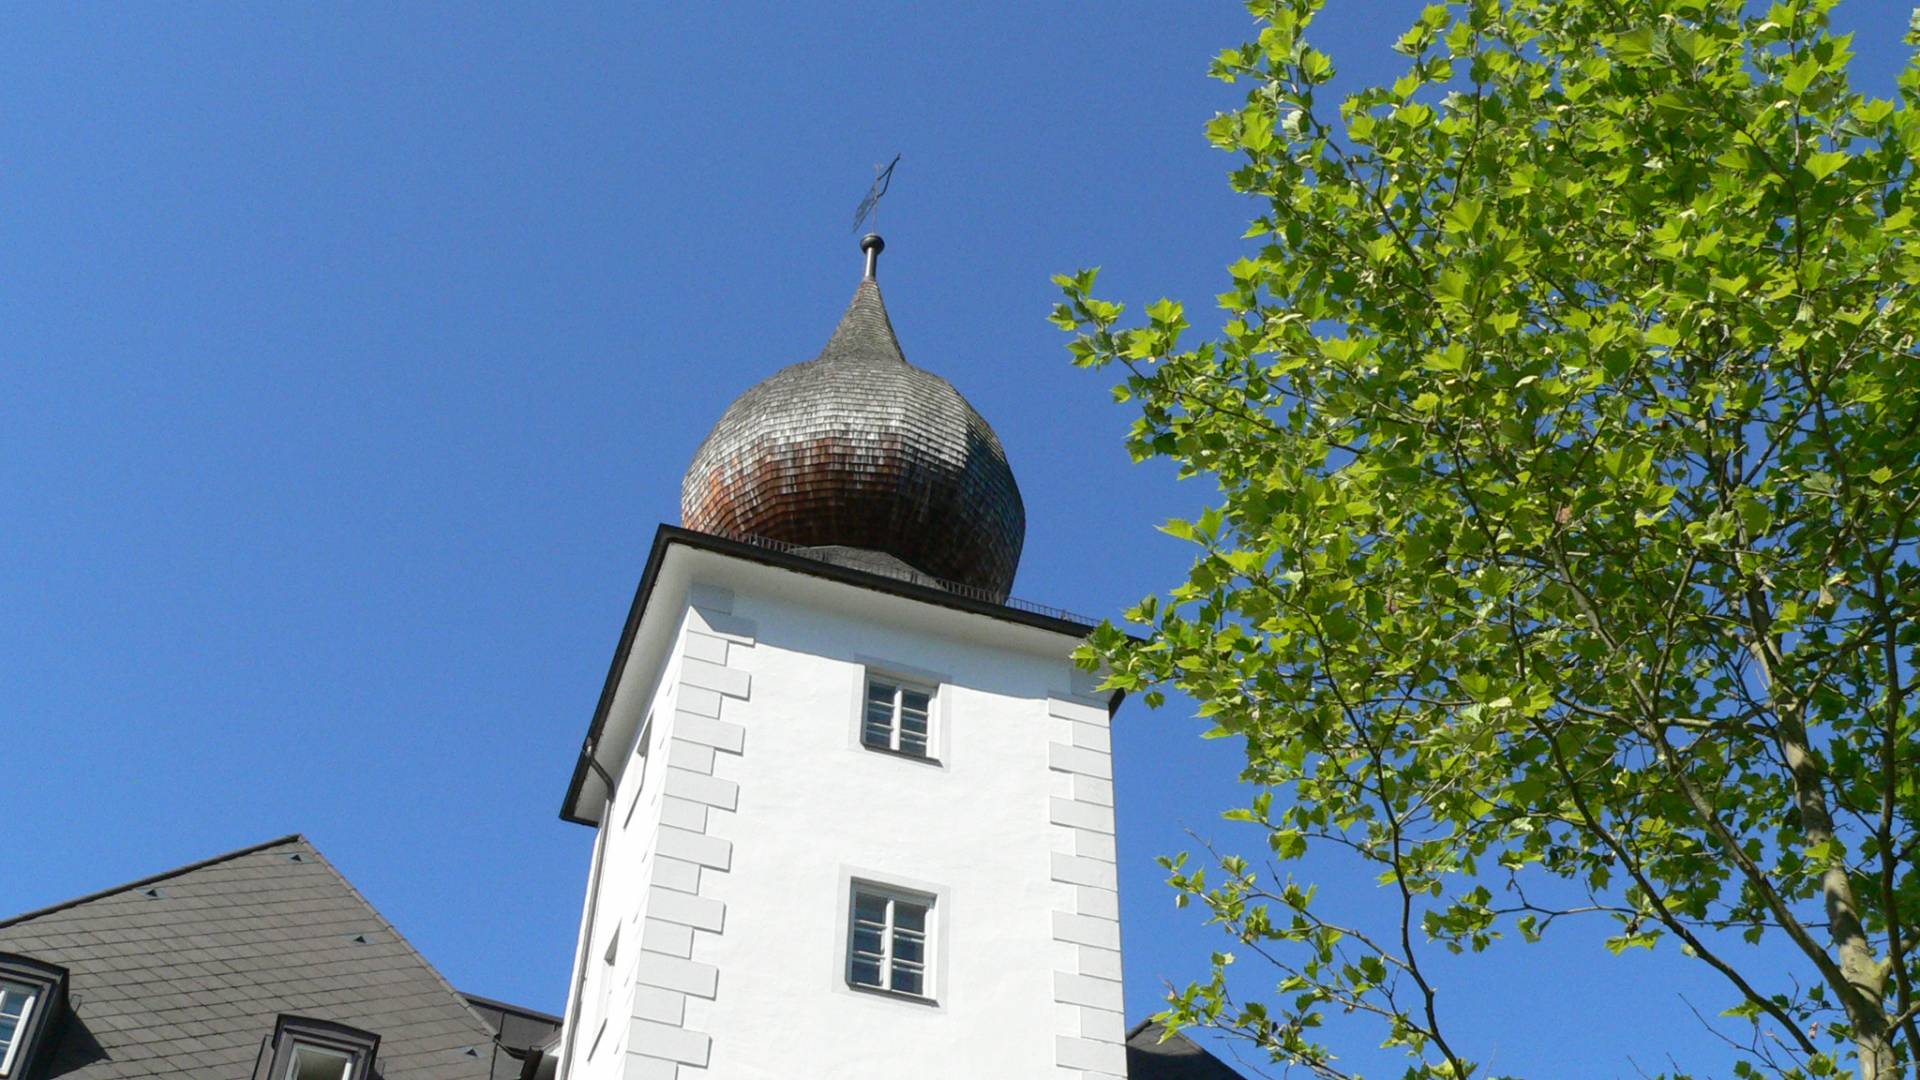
(181, 975)
(1178, 1058)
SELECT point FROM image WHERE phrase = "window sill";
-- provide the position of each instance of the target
(895, 995)
(903, 755)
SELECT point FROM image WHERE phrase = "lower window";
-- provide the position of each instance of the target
(308, 1049)
(887, 941)
(313, 1063)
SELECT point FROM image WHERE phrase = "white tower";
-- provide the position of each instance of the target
(854, 809)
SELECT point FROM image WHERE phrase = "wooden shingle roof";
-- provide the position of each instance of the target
(858, 448)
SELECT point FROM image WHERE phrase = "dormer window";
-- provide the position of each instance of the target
(16, 1008)
(898, 717)
(308, 1049)
(315, 1063)
(32, 994)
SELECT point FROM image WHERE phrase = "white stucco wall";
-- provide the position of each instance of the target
(729, 851)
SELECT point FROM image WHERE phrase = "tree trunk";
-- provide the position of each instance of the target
(1862, 986)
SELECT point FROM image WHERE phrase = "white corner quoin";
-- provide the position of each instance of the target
(747, 812)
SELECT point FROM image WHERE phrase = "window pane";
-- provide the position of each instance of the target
(866, 971)
(310, 1063)
(914, 701)
(870, 907)
(879, 693)
(908, 916)
(8, 1025)
(907, 981)
(912, 950)
(868, 939)
(913, 733)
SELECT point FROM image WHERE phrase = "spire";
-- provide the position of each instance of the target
(865, 333)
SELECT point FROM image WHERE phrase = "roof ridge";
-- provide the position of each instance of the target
(15, 920)
(487, 1034)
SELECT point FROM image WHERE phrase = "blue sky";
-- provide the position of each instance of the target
(351, 357)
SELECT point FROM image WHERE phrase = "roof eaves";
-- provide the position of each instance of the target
(15, 920)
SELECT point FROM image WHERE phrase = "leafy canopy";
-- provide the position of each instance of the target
(1566, 425)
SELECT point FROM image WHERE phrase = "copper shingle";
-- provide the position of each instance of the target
(858, 448)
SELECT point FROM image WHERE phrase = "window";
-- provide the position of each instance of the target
(897, 717)
(887, 940)
(308, 1049)
(16, 1009)
(606, 990)
(637, 768)
(315, 1063)
(33, 996)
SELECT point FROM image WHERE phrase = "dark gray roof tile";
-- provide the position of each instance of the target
(1152, 1054)
(188, 984)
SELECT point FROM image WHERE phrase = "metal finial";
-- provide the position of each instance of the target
(869, 206)
(873, 246)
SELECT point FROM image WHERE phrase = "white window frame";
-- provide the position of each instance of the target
(890, 932)
(11, 1052)
(896, 724)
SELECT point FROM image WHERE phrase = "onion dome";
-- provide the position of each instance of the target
(863, 459)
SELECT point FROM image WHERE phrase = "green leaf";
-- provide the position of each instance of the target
(1801, 75)
(1822, 164)
(1316, 66)
(1464, 214)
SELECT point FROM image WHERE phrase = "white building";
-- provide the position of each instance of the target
(854, 809)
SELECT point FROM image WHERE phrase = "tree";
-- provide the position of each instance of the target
(1566, 423)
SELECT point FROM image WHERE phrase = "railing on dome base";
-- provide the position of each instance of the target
(958, 588)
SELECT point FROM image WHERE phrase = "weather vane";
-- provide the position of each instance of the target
(867, 211)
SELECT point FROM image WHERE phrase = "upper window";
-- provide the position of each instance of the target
(898, 717)
(16, 1009)
(887, 942)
